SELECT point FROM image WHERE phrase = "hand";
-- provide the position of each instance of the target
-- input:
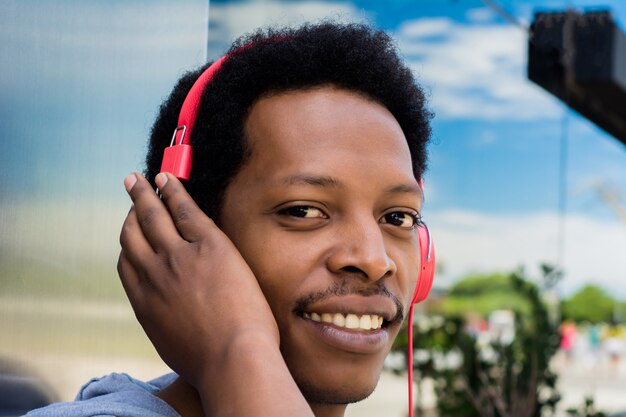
(191, 290)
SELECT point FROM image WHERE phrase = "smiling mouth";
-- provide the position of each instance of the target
(350, 321)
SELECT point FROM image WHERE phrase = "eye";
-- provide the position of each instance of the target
(403, 219)
(303, 212)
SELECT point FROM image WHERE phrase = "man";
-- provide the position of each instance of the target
(274, 280)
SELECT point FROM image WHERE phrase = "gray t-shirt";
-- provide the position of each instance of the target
(116, 395)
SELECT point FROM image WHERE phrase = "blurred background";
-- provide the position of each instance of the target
(525, 197)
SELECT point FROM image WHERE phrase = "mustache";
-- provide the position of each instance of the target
(343, 287)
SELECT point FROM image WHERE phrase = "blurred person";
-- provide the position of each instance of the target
(593, 344)
(275, 280)
(613, 344)
(568, 332)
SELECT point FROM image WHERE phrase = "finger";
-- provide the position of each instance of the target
(191, 222)
(134, 244)
(139, 295)
(152, 216)
(128, 276)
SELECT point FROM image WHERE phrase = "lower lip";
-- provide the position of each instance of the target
(373, 341)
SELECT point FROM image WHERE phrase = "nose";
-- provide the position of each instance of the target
(360, 249)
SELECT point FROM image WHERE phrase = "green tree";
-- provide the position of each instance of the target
(482, 294)
(590, 304)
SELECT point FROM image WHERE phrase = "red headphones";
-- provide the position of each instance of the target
(427, 267)
(177, 161)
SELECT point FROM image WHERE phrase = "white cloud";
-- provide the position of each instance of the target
(426, 27)
(479, 15)
(469, 242)
(474, 71)
(227, 21)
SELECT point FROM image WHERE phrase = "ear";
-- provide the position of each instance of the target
(427, 266)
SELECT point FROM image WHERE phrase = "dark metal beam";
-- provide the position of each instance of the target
(581, 59)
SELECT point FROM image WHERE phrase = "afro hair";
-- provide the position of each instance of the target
(349, 56)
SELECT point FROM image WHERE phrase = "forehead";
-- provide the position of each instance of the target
(326, 128)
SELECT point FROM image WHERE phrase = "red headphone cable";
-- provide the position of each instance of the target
(410, 357)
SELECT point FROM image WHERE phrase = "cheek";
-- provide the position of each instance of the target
(408, 263)
(282, 262)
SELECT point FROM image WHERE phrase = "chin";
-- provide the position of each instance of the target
(335, 395)
(327, 374)
(338, 382)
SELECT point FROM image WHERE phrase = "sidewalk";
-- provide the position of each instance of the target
(601, 379)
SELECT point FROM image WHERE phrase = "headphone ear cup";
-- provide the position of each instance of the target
(427, 267)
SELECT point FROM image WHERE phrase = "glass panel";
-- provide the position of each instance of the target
(80, 83)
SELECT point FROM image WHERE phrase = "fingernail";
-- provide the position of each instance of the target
(129, 182)
(161, 180)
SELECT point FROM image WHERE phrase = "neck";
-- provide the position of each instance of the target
(184, 399)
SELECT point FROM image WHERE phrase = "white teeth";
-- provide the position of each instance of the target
(339, 320)
(352, 321)
(366, 322)
(349, 321)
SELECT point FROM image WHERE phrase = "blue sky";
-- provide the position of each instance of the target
(80, 83)
(493, 186)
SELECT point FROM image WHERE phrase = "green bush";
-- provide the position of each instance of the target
(488, 378)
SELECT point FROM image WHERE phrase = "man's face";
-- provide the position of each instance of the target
(324, 213)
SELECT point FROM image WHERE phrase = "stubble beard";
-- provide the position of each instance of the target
(337, 395)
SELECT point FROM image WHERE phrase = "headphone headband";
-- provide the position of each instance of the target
(189, 110)
(178, 156)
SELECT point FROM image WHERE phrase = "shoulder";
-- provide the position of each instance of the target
(117, 395)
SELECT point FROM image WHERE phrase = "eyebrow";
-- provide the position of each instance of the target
(320, 181)
(331, 182)
(404, 188)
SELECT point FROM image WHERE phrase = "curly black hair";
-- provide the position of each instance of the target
(350, 56)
